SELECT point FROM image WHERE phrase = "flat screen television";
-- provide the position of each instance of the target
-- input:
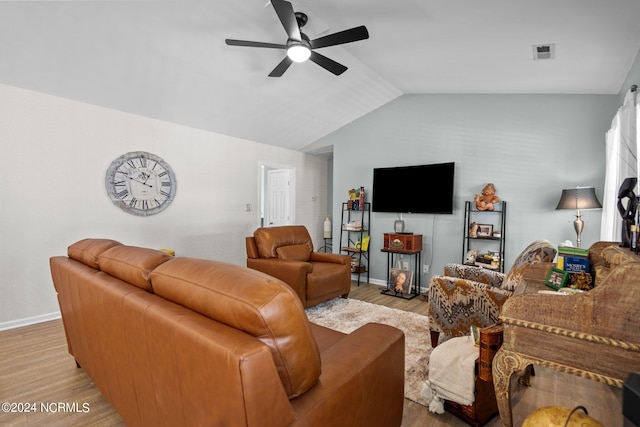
(414, 189)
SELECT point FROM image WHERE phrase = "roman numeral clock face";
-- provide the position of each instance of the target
(140, 183)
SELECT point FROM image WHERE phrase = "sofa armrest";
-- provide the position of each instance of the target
(329, 257)
(362, 381)
(293, 273)
(477, 274)
(252, 248)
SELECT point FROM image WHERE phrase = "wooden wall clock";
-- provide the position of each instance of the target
(140, 183)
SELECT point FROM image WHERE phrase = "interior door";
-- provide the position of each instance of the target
(278, 201)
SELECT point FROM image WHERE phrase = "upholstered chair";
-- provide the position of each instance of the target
(287, 253)
(468, 296)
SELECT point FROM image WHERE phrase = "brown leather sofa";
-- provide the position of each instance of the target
(188, 342)
(287, 253)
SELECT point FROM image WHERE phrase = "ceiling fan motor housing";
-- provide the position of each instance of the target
(302, 18)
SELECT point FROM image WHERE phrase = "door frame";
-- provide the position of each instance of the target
(264, 167)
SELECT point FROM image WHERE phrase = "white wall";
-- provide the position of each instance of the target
(56, 153)
(633, 78)
(529, 146)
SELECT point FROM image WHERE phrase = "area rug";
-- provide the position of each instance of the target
(347, 315)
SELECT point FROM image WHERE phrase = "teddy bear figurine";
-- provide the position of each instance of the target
(486, 200)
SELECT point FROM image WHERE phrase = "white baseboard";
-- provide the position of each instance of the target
(354, 277)
(380, 282)
(12, 324)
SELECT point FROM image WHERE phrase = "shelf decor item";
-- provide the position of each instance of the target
(488, 198)
(579, 198)
(485, 230)
(473, 230)
(556, 278)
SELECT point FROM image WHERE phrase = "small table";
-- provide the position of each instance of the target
(415, 289)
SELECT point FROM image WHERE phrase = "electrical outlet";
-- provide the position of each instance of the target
(425, 268)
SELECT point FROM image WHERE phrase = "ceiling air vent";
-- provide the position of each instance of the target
(544, 51)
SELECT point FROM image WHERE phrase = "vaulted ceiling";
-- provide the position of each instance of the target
(168, 59)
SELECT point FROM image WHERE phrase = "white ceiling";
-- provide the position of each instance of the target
(168, 59)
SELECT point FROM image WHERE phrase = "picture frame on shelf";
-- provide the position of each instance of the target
(400, 280)
(557, 278)
(485, 230)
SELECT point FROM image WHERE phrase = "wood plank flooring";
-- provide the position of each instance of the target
(35, 367)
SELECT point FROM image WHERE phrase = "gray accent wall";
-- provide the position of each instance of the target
(529, 146)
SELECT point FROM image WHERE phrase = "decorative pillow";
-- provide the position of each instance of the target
(300, 252)
(132, 264)
(87, 251)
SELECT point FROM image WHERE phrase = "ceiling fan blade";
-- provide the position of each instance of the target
(328, 64)
(287, 18)
(247, 43)
(281, 67)
(346, 36)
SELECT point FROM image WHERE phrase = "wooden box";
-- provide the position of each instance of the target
(402, 242)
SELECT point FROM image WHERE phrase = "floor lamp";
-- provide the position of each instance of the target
(579, 198)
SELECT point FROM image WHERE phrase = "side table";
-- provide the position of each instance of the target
(415, 289)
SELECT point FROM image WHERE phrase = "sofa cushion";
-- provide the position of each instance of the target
(86, 251)
(269, 239)
(132, 264)
(253, 302)
(300, 252)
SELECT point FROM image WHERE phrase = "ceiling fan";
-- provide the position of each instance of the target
(298, 46)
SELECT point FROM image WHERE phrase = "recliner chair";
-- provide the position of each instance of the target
(286, 252)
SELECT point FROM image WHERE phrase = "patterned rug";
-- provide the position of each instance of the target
(346, 315)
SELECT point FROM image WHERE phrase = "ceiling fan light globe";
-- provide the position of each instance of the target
(298, 53)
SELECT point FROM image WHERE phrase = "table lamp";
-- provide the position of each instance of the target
(579, 198)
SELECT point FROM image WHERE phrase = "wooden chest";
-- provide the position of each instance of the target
(402, 242)
(485, 405)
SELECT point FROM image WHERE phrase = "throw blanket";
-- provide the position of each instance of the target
(451, 373)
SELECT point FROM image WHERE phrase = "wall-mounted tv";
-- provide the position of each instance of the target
(414, 189)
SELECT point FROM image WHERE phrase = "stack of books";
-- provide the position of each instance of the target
(490, 261)
(574, 261)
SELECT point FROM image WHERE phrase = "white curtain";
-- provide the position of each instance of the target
(621, 162)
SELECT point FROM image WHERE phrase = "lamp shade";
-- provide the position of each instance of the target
(579, 198)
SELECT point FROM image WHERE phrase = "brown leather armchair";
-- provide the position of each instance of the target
(286, 253)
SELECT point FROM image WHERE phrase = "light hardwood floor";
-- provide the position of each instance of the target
(36, 368)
